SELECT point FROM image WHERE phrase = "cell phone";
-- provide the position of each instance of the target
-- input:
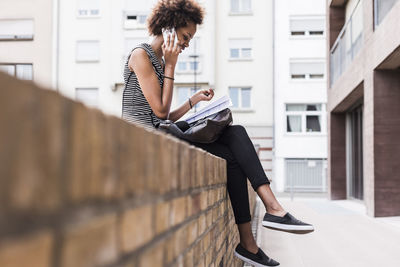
(169, 32)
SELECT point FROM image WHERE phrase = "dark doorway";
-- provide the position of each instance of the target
(356, 156)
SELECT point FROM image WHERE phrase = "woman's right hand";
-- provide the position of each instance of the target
(171, 51)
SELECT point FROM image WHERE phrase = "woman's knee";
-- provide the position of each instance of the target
(237, 129)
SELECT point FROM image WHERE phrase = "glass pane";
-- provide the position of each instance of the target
(234, 5)
(24, 72)
(313, 124)
(295, 107)
(246, 5)
(194, 65)
(142, 19)
(181, 66)
(234, 53)
(246, 97)
(89, 96)
(293, 123)
(9, 69)
(246, 52)
(314, 107)
(234, 95)
(94, 12)
(183, 94)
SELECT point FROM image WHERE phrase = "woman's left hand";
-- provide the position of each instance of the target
(203, 95)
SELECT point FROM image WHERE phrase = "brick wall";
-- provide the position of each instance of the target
(79, 188)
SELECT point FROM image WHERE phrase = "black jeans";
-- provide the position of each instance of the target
(235, 146)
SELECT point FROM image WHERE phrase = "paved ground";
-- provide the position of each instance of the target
(344, 236)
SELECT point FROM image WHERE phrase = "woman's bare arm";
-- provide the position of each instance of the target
(202, 95)
(159, 99)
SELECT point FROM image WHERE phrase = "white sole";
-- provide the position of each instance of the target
(288, 227)
(246, 260)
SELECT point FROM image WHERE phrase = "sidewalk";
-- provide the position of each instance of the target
(344, 236)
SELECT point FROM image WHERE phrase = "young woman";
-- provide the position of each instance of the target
(149, 78)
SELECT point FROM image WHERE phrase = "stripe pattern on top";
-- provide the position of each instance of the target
(135, 108)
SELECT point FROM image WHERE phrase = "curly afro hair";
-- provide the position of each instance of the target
(174, 14)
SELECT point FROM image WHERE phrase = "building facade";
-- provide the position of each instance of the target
(28, 40)
(363, 103)
(300, 148)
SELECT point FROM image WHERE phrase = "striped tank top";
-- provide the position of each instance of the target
(135, 108)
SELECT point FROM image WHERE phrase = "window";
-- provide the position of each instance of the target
(89, 96)
(20, 71)
(240, 49)
(189, 60)
(135, 20)
(307, 70)
(184, 93)
(88, 8)
(16, 30)
(241, 97)
(302, 118)
(240, 6)
(307, 27)
(87, 51)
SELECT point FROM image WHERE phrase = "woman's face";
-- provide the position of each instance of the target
(185, 34)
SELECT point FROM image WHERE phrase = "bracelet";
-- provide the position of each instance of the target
(190, 103)
(169, 78)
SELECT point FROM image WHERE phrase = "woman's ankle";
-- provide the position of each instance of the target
(276, 210)
(250, 246)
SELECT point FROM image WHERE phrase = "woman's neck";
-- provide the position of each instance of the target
(156, 45)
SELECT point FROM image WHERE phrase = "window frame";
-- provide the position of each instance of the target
(304, 114)
(240, 102)
(22, 37)
(128, 25)
(240, 48)
(89, 15)
(307, 76)
(240, 11)
(307, 33)
(15, 69)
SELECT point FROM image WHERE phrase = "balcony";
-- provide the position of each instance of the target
(381, 8)
(347, 45)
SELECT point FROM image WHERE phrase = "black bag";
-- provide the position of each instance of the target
(206, 130)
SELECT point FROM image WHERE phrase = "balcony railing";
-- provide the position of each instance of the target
(381, 8)
(347, 45)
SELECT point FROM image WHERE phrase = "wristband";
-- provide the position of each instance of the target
(190, 103)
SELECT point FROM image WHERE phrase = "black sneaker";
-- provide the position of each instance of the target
(287, 223)
(258, 260)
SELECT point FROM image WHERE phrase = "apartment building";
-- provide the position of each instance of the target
(300, 131)
(28, 40)
(228, 54)
(363, 103)
(244, 67)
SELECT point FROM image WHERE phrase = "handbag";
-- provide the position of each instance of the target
(206, 130)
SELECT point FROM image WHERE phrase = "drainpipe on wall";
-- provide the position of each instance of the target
(55, 45)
